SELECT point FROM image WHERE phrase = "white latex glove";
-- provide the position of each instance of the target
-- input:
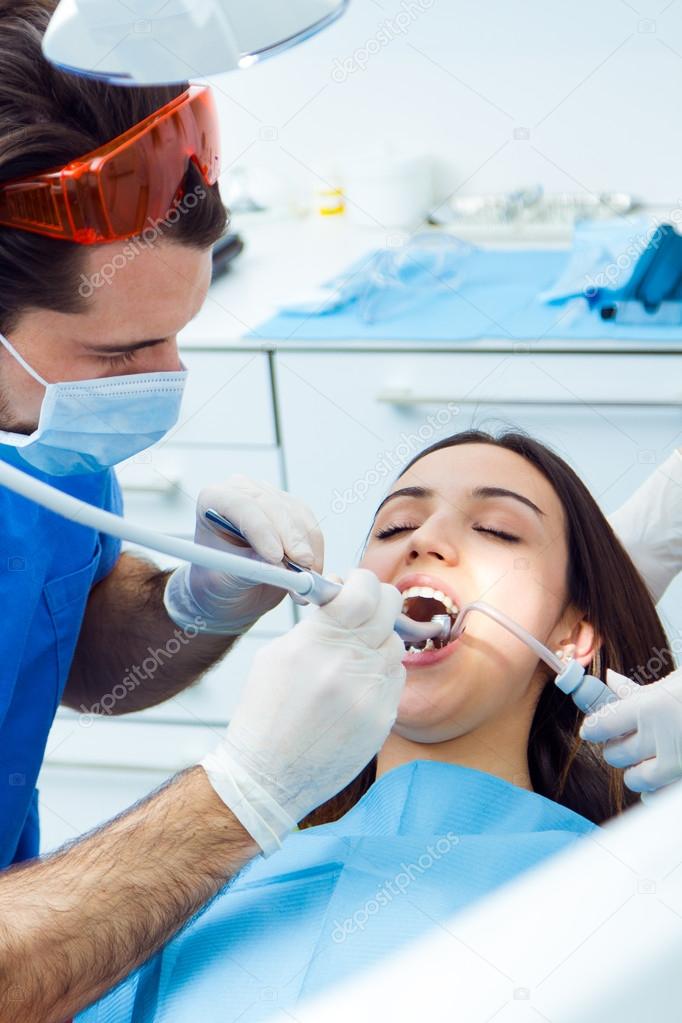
(642, 730)
(318, 704)
(274, 523)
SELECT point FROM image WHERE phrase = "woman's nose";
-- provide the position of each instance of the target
(432, 542)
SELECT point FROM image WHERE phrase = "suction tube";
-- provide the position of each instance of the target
(587, 692)
(106, 522)
(293, 579)
(543, 652)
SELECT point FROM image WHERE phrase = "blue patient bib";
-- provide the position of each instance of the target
(425, 841)
(47, 568)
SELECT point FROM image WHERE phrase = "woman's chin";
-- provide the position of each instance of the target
(424, 733)
(425, 717)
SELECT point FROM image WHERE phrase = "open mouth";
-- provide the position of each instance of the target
(421, 603)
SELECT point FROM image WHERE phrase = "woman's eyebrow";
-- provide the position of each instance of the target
(422, 492)
(503, 492)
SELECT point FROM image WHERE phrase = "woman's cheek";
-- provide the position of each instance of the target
(377, 561)
(529, 597)
(495, 654)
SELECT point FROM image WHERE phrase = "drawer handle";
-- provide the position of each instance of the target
(405, 396)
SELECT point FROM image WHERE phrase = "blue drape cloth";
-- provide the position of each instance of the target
(424, 842)
(504, 295)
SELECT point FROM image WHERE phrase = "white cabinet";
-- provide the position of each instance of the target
(228, 400)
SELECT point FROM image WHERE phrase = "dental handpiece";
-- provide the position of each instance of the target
(323, 590)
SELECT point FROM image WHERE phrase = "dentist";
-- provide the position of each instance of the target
(88, 377)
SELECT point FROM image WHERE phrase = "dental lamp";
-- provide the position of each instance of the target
(148, 42)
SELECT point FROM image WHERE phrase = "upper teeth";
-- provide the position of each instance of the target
(426, 591)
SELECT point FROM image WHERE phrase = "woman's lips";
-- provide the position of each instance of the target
(425, 658)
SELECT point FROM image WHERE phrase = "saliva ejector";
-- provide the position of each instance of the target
(587, 692)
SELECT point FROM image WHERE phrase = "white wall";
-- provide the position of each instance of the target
(596, 83)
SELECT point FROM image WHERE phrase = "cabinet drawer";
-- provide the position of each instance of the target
(228, 400)
(210, 702)
(73, 800)
(206, 704)
(161, 485)
(350, 420)
(90, 774)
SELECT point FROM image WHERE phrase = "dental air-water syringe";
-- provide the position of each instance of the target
(588, 693)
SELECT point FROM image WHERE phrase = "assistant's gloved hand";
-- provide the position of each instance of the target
(642, 730)
(274, 523)
(318, 704)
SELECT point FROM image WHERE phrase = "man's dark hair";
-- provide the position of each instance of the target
(48, 118)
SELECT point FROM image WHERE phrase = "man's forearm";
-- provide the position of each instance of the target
(74, 924)
(130, 654)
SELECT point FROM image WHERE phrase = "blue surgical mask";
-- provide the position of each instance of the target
(90, 425)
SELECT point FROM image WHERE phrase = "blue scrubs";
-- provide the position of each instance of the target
(424, 842)
(47, 569)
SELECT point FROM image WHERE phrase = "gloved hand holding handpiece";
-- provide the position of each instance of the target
(318, 704)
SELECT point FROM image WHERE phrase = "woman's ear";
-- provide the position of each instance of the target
(581, 644)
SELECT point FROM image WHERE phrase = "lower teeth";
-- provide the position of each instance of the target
(429, 645)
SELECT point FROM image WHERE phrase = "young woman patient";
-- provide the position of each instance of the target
(483, 774)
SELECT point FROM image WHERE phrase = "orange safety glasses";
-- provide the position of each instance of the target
(116, 191)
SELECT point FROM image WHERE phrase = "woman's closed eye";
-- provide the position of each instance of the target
(394, 528)
(499, 534)
(391, 530)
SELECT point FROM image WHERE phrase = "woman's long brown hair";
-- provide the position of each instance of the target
(605, 586)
